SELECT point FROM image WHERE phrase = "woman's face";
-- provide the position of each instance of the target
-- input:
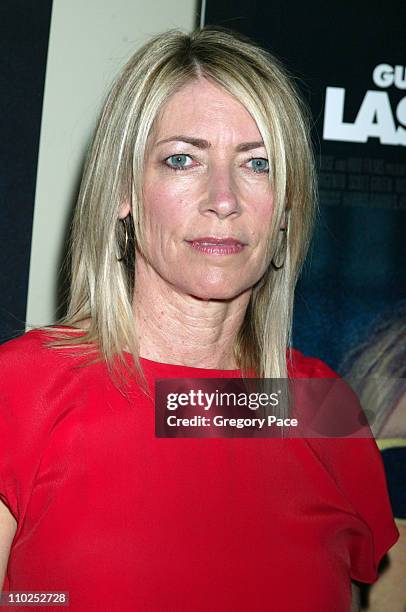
(207, 199)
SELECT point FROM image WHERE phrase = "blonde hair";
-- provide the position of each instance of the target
(101, 288)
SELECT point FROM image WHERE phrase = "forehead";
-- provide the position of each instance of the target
(205, 106)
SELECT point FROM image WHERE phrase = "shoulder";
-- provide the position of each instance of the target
(19, 345)
(26, 353)
(39, 384)
(28, 365)
(301, 366)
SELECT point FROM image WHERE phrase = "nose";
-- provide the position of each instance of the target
(221, 197)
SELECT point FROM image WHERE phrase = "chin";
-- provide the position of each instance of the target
(217, 293)
(214, 285)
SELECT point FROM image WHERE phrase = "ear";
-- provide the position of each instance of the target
(124, 211)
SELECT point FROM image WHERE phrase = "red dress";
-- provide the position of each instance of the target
(125, 521)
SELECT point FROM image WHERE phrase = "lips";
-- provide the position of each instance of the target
(214, 241)
(214, 245)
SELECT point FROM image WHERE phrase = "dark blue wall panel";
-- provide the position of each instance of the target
(24, 33)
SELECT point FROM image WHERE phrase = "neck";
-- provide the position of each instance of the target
(174, 327)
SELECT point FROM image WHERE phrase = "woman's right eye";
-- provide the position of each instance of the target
(178, 162)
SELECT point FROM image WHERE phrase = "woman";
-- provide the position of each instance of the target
(193, 220)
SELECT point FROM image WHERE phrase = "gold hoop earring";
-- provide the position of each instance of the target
(277, 265)
(126, 241)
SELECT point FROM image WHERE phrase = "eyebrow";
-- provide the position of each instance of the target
(204, 144)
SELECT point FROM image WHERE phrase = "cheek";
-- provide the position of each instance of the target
(160, 208)
(267, 208)
(164, 215)
(261, 222)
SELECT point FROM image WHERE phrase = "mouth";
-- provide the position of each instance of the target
(212, 245)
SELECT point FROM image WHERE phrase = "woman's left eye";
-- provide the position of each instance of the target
(259, 164)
